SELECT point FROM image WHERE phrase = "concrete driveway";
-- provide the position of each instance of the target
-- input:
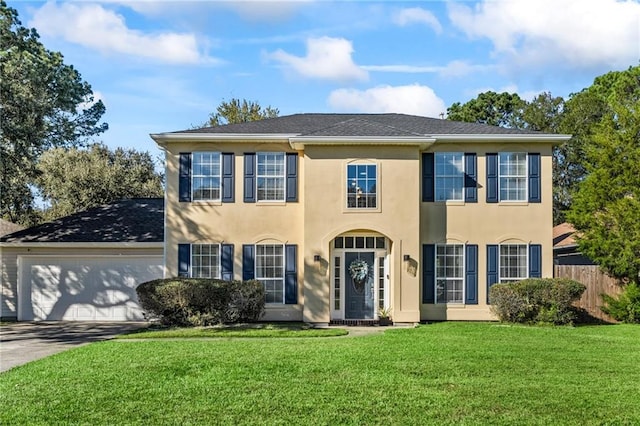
(22, 342)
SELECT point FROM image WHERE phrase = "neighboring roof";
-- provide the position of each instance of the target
(131, 220)
(379, 125)
(7, 227)
(563, 236)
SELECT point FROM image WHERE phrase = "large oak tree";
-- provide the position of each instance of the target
(44, 103)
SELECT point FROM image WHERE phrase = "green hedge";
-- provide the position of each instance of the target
(201, 301)
(536, 300)
(625, 307)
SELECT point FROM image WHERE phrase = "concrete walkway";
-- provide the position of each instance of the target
(22, 342)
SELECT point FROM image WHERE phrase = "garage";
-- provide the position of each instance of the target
(85, 266)
(83, 288)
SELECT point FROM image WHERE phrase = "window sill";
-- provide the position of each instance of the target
(271, 203)
(513, 203)
(207, 202)
(352, 210)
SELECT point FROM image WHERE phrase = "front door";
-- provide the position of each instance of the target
(359, 285)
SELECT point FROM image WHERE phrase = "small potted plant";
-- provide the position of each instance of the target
(384, 317)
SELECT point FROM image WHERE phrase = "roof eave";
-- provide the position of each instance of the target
(298, 143)
(88, 244)
(513, 138)
(163, 138)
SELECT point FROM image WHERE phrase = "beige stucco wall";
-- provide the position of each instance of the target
(485, 223)
(320, 215)
(9, 254)
(235, 223)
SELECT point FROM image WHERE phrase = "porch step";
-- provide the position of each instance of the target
(355, 323)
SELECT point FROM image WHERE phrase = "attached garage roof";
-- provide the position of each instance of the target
(124, 221)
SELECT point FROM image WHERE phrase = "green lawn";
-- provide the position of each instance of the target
(448, 373)
(244, 330)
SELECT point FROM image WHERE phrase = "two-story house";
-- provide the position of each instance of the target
(339, 215)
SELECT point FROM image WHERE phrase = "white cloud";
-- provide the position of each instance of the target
(417, 15)
(95, 27)
(562, 33)
(452, 69)
(327, 58)
(411, 99)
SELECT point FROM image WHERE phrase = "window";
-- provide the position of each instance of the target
(361, 186)
(205, 261)
(270, 271)
(449, 172)
(449, 273)
(513, 262)
(271, 176)
(336, 282)
(513, 176)
(206, 176)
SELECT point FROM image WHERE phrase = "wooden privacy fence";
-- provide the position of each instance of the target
(597, 283)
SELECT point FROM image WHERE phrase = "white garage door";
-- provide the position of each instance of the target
(83, 288)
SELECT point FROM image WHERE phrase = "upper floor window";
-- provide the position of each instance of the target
(206, 176)
(449, 273)
(205, 260)
(270, 271)
(270, 176)
(449, 174)
(362, 186)
(513, 262)
(513, 176)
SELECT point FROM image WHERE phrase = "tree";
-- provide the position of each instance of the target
(76, 179)
(236, 111)
(606, 209)
(44, 103)
(504, 110)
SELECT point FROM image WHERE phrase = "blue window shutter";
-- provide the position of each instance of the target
(249, 177)
(492, 267)
(428, 179)
(226, 262)
(470, 177)
(292, 176)
(535, 189)
(184, 260)
(228, 184)
(492, 178)
(428, 273)
(248, 262)
(184, 178)
(290, 274)
(535, 261)
(471, 274)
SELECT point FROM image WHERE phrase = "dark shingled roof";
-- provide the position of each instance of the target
(377, 125)
(132, 220)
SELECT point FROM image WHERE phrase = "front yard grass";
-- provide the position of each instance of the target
(294, 329)
(447, 373)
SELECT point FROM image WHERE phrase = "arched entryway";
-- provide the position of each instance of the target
(359, 276)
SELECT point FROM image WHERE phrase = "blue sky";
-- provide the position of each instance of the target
(164, 66)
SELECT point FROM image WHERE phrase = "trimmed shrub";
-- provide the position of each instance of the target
(536, 300)
(201, 301)
(626, 307)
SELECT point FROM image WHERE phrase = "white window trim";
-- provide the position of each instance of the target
(346, 187)
(191, 267)
(500, 279)
(283, 176)
(255, 272)
(526, 178)
(193, 176)
(464, 278)
(435, 177)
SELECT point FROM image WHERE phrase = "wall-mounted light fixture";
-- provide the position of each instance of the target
(407, 257)
(316, 258)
